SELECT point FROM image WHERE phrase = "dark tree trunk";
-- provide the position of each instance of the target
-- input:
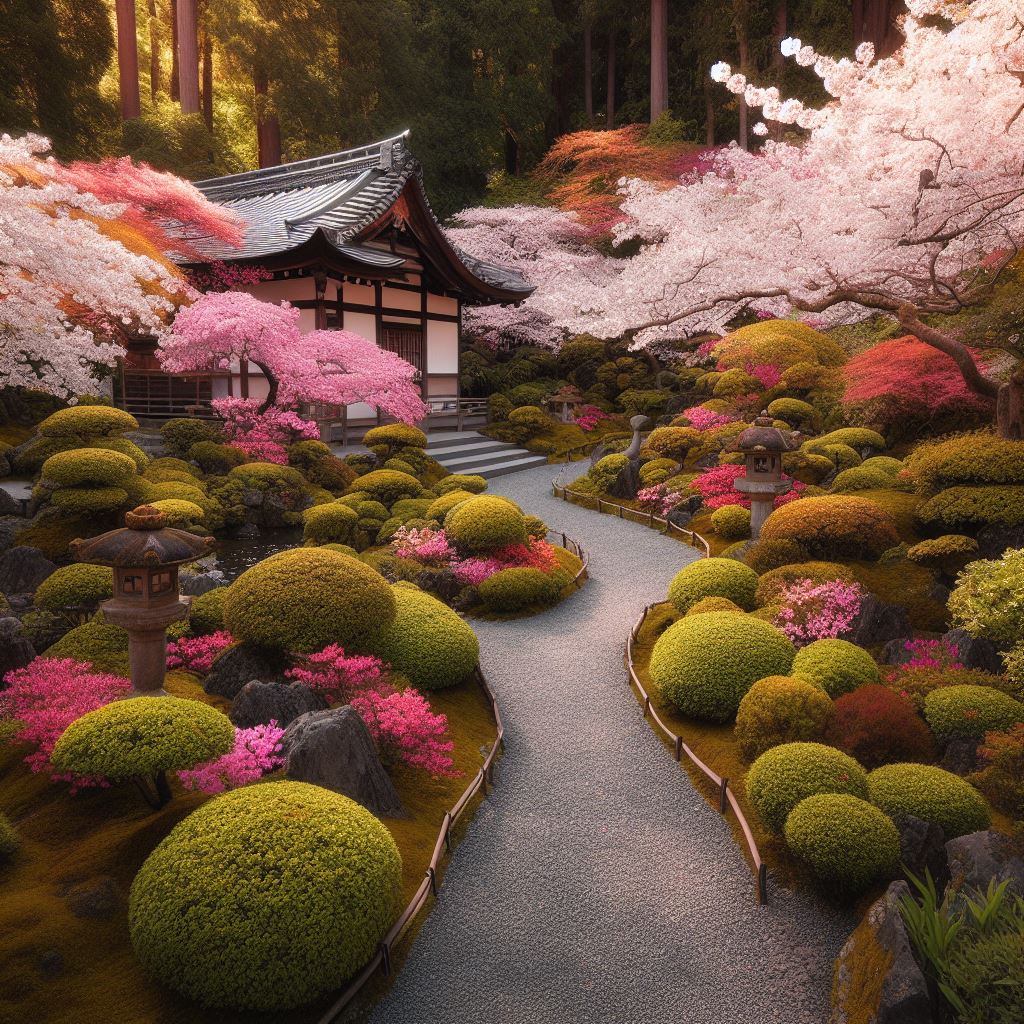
(610, 115)
(511, 153)
(175, 63)
(779, 31)
(1010, 409)
(874, 21)
(709, 113)
(208, 79)
(743, 43)
(188, 57)
(659, 57)
(154, 51)
(268, 128)
(128, 59)
(588, 70)
(272, 384)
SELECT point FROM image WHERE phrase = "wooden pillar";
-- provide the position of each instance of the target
(659, 57)
(154, 51)
(208, 80)
(128, 59)
(320, 312)
(188, 57)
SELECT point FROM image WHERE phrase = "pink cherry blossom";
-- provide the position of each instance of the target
(818, 611)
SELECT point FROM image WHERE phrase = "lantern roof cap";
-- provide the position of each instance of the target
(146, 541)
(762, 435)
(567, 393)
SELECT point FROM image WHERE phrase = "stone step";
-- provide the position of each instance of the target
(490, 470)
(453, 438)
(460, 463)
(471, 448)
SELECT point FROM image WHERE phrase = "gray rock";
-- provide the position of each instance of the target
(98, 898)
(680, 517)
(994, 540)
(334, 749)
(250, 531)
(22, 569)
(16, 650)
(234, 668)
(8, 531)
(960, 755)
(903, 998)
(923, 847)
(939, 593)
(879, 622)
(258, 703)
(981, 857)
(252, 498)
(895, 652)
(9, 506)
(627, 483)
(637, 424)
(974, 652)
(198, 583)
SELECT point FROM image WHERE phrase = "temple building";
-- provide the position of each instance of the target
(350, 240)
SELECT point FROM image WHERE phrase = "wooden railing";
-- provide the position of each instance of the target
(726, 797)
(337, 425)
(380, 962)
(573, 546)
(154, 394)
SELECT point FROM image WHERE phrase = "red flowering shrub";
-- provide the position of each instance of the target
(877, 726)
(197, 654)
(717, 486)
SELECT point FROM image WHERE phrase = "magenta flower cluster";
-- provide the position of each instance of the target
(339, 676)
(658, 499)
(818, 611)
(932, 654)
(589, 416)
(705, 419)
(766, 374)
(426, 545)
(717, 487)
(197, 654)
(256, 751)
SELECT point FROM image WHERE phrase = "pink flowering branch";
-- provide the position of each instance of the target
(818, 611)
(256, 752)
(197, 654)
(406, 731)
(339, 676)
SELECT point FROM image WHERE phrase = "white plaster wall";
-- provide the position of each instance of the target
(398, 298)
(278, 291)
(442, 347)
(363, 324)
(361, 294)
(442, 304)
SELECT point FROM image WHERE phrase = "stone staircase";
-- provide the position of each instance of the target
(466, 451)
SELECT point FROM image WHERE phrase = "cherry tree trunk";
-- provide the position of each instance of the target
(709, 114)
(779, 27)
(268, 128)
(208, 80)
(1010, 410)
(154, 51)
(588, 71)
(659, 57)
(188, 57)
(610, 116)
(175, 85)
(743, 42)
(128, 59)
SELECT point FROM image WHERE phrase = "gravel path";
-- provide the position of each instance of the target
(595, 884)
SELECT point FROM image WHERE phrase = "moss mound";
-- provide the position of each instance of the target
(291, 885)
(88, 421)
(206, 614)
(970, 712)
(781, 709)
(332, 523)
(511, 590)
(485, 523)
(837, 666)
(92, 466)
(75, 586)
(930, 793)
(834, 526)
(713, 577)
(387, 486)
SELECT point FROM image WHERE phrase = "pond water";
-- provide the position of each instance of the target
(236, 554)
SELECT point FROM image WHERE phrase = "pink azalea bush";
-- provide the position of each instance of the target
(339, 676)
(717, 487)
(263, 436)
(256, 752)
(767, 374)
(705, 419)
(46, 696)
(589, 416)
(818, 611)
(406, 731)
(424, 545)
(197, 654)
(473, 571)
(658, 499)
(932, 654)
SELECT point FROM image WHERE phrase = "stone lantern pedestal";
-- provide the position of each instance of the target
(147, 640)
(762, 499)
(762, 446)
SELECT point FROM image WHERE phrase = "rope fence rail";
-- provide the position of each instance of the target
(380, 962)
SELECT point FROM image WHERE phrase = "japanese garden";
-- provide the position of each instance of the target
(512, 512)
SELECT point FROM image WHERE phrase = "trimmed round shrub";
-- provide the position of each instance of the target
(396, 435)
(88, 466)
(853, 437)
(970, 712)
(263, 475)
(844, 840)
(781, 709)
(705, 664)
(470, 483)
(174, 490)
(672, 442)
(426, 640)
(411, 508)
(861, 478)
(930, 793)
(969, 459)
(713, 604)
(88, 421)
(886, 463)
(440, 508)
(842, 456)
(807, 467)
(102, 644)
(606, 470)
(837, 666)
(292, 885)
(142, 736)
(180, 513)
(81, 501)
(835, 526)
(948, 554)
(878, 726)
(530, 418)
(793, 411)
(399, 466)
(206, 614)
(306, 598)
(9, 840)
(387, 486)
(764, 555)
(960, 508)
(485, 523)
(783, 776)
(536, 527)
(123, 446)
(713, 577)
(75, 586)
(731, 522)
(773, 583)
(215, 458)
(657, 471)
(331, 522)
(180, 434)
(510, 590)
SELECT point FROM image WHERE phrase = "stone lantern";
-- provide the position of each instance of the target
(145, 556)
(568, 398)
(762, 446)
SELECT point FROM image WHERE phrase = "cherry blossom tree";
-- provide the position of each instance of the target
(71, 286)
(905, 196)
(333, 367)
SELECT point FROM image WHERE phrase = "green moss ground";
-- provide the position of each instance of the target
(70, 840)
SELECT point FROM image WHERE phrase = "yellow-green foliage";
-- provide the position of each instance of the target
(89, 466)
(125, 447)
(986, 600)
(536, 527)
(83, 501)
(949, 553)
(713, 604)
(606, 470)
(837, 666)
(963, 507)
(292, 885)
(440, 507)
(835, 526)
(970, 711)
(399, 466)
(396, 435)
(264, 475)
(485, 523)
(75, 586)
(784, 775)
(306, 598)
(426, 641)
(411, 508)
(807, 467)
(169, 476)
(852, 437)
(216, 458)
(180, 513)
(970, 459)
(82, 421)
(206, 614)
(176, 490)
(387, 486)
(143, 736)
(735, 382)
(511, 590)
(332, 522)
(861, 478)
(781, 709)
(886, 463)
(772, 583)
(780, 342)
(731, 522)
(469, 483)
(794, 411)
(845, 841)
(672, 442)
(530, 418)
(705, 664)
(764, 555)
(180, 434)
(657, 471)
(930, 793)
(713, 577)
(172, 465)
(841, 456)
(9, 841)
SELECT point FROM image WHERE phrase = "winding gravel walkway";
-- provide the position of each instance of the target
(595, 884)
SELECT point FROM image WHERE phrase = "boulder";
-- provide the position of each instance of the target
(960, 756)
(252, 498)
(974, 652)
(237, 666)
(16, 650)
(334, 749)
(627, 483)
(993, 540)
(443, 585)
(258, 703)
(895, 652)
(923, 847)
(250, 531)
(9, 506)
(680, 517)
(98, 898)
(22, 569)
(878, 622)
(9, 528)
(198, 583)
(876, 970)
(981, 857)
